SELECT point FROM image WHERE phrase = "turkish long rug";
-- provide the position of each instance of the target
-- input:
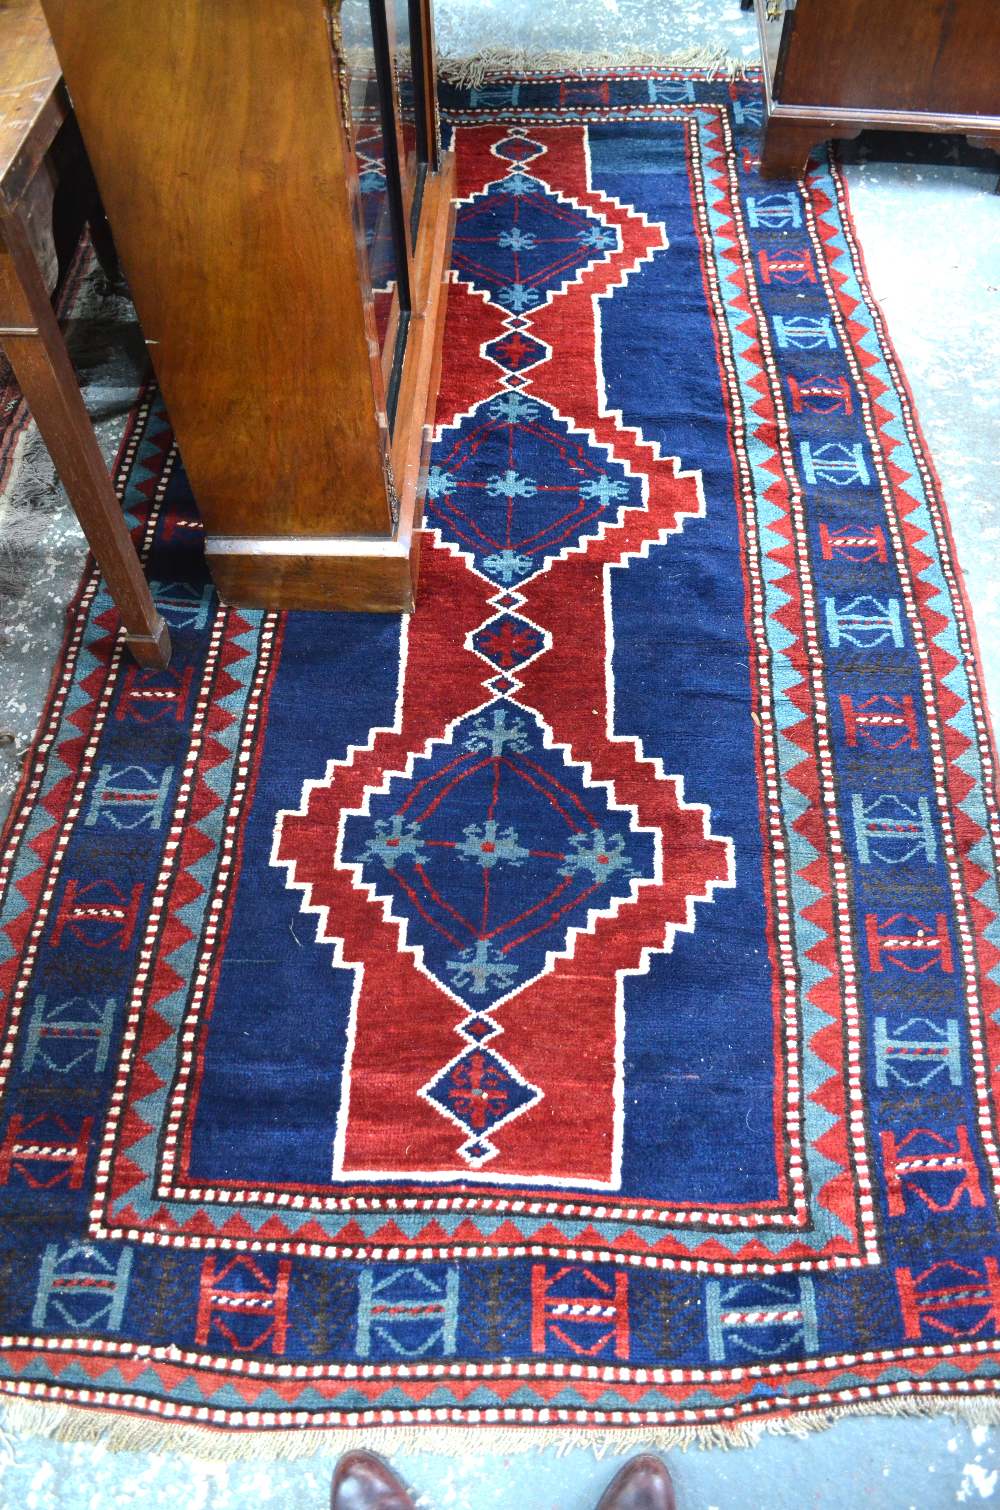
(576, 1006)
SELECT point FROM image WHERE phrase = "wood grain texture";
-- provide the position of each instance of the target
(833, 70)
(371, 583)
(937, 56)
(370, 575)
(223, 169)
(30, 92)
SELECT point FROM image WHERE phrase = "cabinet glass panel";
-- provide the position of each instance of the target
(408, 58)
(368, 67)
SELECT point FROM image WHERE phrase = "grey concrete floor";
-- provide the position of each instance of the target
(930, 234)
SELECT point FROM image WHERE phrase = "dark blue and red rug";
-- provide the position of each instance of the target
(575, 1006)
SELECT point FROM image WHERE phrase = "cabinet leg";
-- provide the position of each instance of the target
(786, 148)
(787, 145)
(37, 353)
(989, 141)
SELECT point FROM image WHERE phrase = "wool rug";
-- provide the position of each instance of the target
(573, 1009)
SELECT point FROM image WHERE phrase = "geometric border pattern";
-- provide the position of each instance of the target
(769, 1330)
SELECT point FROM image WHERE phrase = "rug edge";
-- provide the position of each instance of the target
(470, 71)
(137, 1432)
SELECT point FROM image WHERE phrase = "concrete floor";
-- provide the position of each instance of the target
(928, 221)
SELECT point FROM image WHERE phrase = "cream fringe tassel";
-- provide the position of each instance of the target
(134, 1433)
(472, 72)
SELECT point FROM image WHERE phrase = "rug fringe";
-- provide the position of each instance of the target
(472, 71)
(133, 1433)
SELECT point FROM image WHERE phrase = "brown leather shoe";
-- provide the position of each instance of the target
(361, 1481)
(643, 1484)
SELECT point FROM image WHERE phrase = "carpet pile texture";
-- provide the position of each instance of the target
(574, 1008)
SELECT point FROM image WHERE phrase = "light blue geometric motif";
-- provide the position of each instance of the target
(509, 485)
(804, 332)
(498, 733)
(670, 91)
(775, 212)
(495, 94)
(394, 840)
(893, 831)
(917, 1051)
(489, 845)
(508, 566)
(56, 1030)
(521, 183)
(514, 408)
(598, 855)
(518, 297)
(604, 238)
(481, 969)
(760, 1318)
(128, 797)
(184, 605)
(748, 112)
(513, 485)
(519, 243)
(604, 490)
(517, 240)
(834, 463)
(493, 847)
(439, 483)
(80, 1288)
(864, 622)
(407, 1312)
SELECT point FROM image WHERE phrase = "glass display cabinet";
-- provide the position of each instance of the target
(275, 184)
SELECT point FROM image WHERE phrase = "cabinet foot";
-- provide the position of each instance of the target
(787, 145)
(989, 141)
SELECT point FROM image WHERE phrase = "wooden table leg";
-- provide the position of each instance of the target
(33, 343)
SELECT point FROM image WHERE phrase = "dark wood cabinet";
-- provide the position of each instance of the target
(276, 189)
(833, 68)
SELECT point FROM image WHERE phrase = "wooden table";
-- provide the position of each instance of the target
(34, 108)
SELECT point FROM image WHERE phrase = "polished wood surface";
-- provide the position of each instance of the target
(365, 575)
(225, 183)
(32, 101)
(937, 56)
(833, 70)
(34, 131)
(235, 201)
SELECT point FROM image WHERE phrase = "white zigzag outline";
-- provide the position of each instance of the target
(322, 912)
(576, 277)
(641, 551)
(485, 1138)
(580, 547)
(658, 455)
(593, 914)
